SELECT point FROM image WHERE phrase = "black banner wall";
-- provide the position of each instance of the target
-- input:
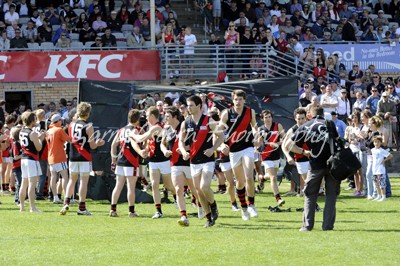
(111, 102)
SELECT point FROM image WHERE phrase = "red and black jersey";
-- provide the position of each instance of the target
(41, 127)
(79, 148)
(299, 157)
(199, 138)
(156, 155)
(172, 138)
(127, 156)
(28, 147)
(239, 132)
(222, 158)
(16, 150)
(269, 152)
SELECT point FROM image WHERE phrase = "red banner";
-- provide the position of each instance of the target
(74, 65)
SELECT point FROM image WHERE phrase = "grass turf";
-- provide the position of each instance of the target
(366, 233)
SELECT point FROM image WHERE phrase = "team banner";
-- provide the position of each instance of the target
(74, 65)
(384, 57)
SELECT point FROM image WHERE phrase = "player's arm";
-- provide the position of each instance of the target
(34, 136)
(281, 132)
(139, 138)
(181, 143)
(285, 150)
(167, 153)
(114, 148)
(94, 143)
(255, 131)
(218, 138)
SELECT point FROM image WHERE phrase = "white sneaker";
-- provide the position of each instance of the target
(64, 210)
(133, 214)
(253, 211)
(57, 201)
(245, 214)
(377, 198)
(281, 202)
(382, 199)
(200, 213)
(370, 197)
(113, 213)
(176, 205)
(183, 221)
(158, 215)
(84, 212)
(194, 205)
(235, 208)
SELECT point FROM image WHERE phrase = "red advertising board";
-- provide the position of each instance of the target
(74, 65)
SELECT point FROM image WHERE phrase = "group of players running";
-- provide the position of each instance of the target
(181, 151)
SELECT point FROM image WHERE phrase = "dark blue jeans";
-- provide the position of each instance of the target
(18, 179)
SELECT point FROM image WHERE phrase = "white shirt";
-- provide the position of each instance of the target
(172, 95)
(343, 107)
(11, 17)
(378, 155)
(330, 100)
(190, 41)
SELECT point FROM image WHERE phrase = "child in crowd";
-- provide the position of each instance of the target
(379, 157)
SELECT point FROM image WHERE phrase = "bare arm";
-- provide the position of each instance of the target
(114, 148)
(145, 136)
(285, 149)
(36, 141)
(94, 143)
(181, 143)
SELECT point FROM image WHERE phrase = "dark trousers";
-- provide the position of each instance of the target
(311, 189)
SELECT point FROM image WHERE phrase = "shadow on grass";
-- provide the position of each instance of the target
(368, 211)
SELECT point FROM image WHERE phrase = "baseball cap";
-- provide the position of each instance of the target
(40, 105)
(343, 90)
(333, 113)
(358, 76)
(334, 80)
(55, 118)
(385, 94)
(381, 11)
(309, 80)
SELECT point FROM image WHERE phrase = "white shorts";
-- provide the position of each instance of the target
(126, 170)
(302, 167)
(30, 168)
(58, 167)
(257, 157)
(164, 167)
(7, 159)
(181, 170)
(225, 166)
(196, 169)
(80, 167)
(236, 157)
(270, 164)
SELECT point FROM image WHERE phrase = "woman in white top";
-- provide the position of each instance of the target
(343, 108)
(353, 137)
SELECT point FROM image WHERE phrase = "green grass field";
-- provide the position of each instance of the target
(366, 233)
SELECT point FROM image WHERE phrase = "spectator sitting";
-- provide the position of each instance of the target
(366, 21)
(68, 12)
(296, 18)
(45, 31)
(357, 86)
(320, 70)
(60, 30)
(274, 26)
(92, 7)
(18, 41)
(381, 5)
(369, 34)
(123, 14)
(282, 19)
(86, 34)
(4, 42)
(63, 42)
(333, 15)
(135, 13)
(139, 21)
(36, 18)
(168, 10)
(52, 15)
(381, 21)
(99, 25)
(93, 15)
(337, 35)
(276, 11)
(114, 23)
(260, 10)
(288, 28)
(356, 71)
(24, 9)
(317, 28)
(379, 34)
(97, 45)
(241, 18)
(249, 13)
(295, 6)
(30, 33)
(108, 39)
(79, 24)
(135, 39)
(345, 12)
(306, 13)
(145, 29)
(11, 16)
(327, 37)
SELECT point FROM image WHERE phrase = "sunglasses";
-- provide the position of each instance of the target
(318, 54)
(374, 90)
(375, 77)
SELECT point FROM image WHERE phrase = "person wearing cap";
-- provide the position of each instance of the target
(114, 23)
(357, 86)
(56, 137)
(381, 21)
(40, 106)
(343, 109)
(87, 34)
(334, 86)
(339, 123)
(45, 32)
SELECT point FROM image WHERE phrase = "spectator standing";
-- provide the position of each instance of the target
(360, 102)
(343, 108)
(348, 33)
(340, 125)
(387, 111)
(189, 41)
(372, 100)
(232, 39)
(379, 157)
(376, 82)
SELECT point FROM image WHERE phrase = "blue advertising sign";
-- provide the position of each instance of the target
(385, 57)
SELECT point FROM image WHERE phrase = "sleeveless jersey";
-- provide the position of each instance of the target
(172, 138)
(299, 157)
(270, 153)
(79, 150)
(43, 153)
(239, 134)
(28, 147)
(199, 138)
(127, 156)
(156, 155)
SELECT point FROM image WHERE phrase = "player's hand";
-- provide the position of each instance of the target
(100, 142)
(291, 161)
(113, 166)
(185, 155)
(167, 153)
(225, 149)
(307, 153)
(209, 152)
(178, 151)
(144, 153)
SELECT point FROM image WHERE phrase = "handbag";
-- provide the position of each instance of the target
(343, 163)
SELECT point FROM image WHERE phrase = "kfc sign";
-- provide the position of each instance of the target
(71, 66)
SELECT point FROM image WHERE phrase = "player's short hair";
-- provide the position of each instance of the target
(378, 138)
(133, 116)
(239, 93)
(15, 132)
(266, 112)
(154, 111)
(196, 99)
(28, 117)
(83, 109)
(174, 112)
(300, 111)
